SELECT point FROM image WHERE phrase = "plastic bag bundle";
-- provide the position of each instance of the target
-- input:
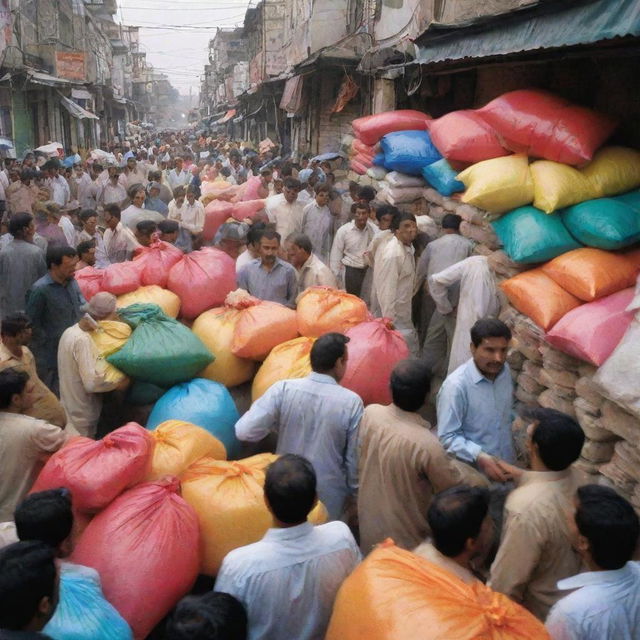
(543, 125)
(215, 214)
(374, 350)
(323, 310)
(202, 280)
(558, 185)
(157, 260)
(89, 280)
(613, 170)
(362, 159)
(204, 403)
(498, 185)
(465, 137)
(369, 129)
(122, 277)
(402, 180)
(442, 177)
(536, 295)
(165, 299)
(288, 360)
(178, 445)
(145, 547)
(161, 350)
(528, 235)
(229, 500)
(247, 209)
(428, 602)
(592, 331)
(254, 189)
(97, 471)
(401, 195)
(358, 167)
(408, 151)
(82, 611)
(365, 149)
(109, 337)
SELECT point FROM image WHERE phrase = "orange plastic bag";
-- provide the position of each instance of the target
(536, 295)
(590, 273)
(228, 498)
(157, 258)
(153, 294)
(178, 445)
(288, 360)
(323, 310)
(396, 595)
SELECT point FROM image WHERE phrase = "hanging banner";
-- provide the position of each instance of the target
(70, 65)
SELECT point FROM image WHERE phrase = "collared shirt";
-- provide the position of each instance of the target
(535, 551)
(68, 229)
(427, 551)
(178, 178)
(287, 216)
(119, 243)
(128, 178)
(350, 245)
(288, 581)
(21, 264)
(606, 606)
(192, 216)
(394, 281)
(102, 261)
(475, 413)
(87, 190)
(317, 224)
(112, 194)
(23, 443)
(278, 285)
(402, 465)
(313, 273)
(243, 259)
(316, 418)
(60, 192)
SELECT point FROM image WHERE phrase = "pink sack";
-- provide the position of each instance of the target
(365, 161)
(249, 209)
(146, 546)
(367, 149)
(254, 189)
(592, 331)
(89, 280)
(370, 129)
(215, 214)
(465, 137)
(122, 277)
(157, 260)
(359, 168)
(202, 279)
(374, 350)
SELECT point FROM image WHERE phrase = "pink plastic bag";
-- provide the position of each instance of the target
(367, 149)
(89, 280)
(157, 260)
(215, 214)
(254, 189)
(374, 350)
(592, 331)
(249, 209)
(359, 168)
(202, 279)
(122, 277)
(364, 160)
(370, 129)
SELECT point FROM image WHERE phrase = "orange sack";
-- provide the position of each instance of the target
(323, 310)
(396, 595)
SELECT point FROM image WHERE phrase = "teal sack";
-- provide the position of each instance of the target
(161, 350)
(442, 177)
(604, 223)
(632, 198)
(141, 393)
(529, 235)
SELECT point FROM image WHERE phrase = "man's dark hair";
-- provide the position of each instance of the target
(27, 574)
(46, 516)
(360, 205)
(179, 192)
(56, 254)
(322, 188)
(399, 218)
(609, 523)
(85, 214)
(410, 382)
(19, 223)
(385, 210)
(12, 381)
(489, 328)
(455, 515)
(290, 488)
(83, 247)
(286, 171)
(168, 226)
(26, 174)
(52, 164)
(114, 210)
(558, 436)
(327, 350)
(134, 189)
(210, 616)
(293, 183)
(255, 232)
(225, 171)
(14, 323)
(146, 227)
(451, 221)
(303, 241)
(366, 193)
(270, 234)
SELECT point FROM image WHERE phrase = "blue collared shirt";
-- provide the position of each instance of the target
(475, 413)
(606, 606)
(278, 285)
(316, 418)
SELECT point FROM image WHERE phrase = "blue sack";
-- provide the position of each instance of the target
(529, 235)
(378, 160)
(408, 151)
(83, 612)
(205, 403)
(442, 177)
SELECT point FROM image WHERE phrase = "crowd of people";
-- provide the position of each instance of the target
(457, 493)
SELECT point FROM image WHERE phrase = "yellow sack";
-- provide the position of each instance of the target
(168, 301)
(498, 185)
(288, 360)
(558, 185)
(228, 499)
(613, 170)
(109, 337)
(178, 445)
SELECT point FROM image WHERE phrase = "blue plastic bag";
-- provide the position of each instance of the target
(408, 151)
(530, 235)
(83, 612)
(205, 403)
(442, 177)
(378, 160)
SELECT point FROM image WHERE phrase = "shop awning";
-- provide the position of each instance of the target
(39, 77)
(81, 94)
(76, 110)
(226, 117)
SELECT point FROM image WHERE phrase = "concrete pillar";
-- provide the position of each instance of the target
(384, 95)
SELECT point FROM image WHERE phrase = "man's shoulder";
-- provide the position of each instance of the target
(458, 378)
(42, 282)
(331, 534)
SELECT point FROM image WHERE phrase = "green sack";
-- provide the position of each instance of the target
(530, 235)
(141, 393)
(161, 350)
(604, 223)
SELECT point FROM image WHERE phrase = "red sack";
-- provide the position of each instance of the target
(374, 350)
(157, 260)
(89, 280)
(145, 546)
(202, 279)
(370, 129)
(247, 209)
(215, 214)
(122, 277)
(545, 126)
(366, 149)
(97, 471)
(465, 137)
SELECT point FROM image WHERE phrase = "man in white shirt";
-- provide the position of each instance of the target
(119, 242)
(288, 581)
(132, 174)
(284, 210)
(317, 223)
(192, 214)
(60, 192)
(178, 176)
(310, 269)
(112, 192)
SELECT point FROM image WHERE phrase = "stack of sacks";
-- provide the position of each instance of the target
(217, 212)
(400, 188)
(362, 156)
(156, 261)
(89, 280)
(408, 151)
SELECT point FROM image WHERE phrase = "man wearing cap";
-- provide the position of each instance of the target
(83, 374)
(231, 237)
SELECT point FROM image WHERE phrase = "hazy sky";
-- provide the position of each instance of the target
(175, 33)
